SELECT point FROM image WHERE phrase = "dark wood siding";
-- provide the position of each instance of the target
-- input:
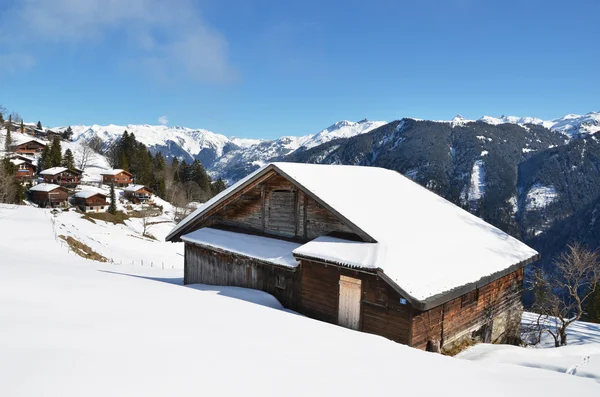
(493, 317)
(382, 313)
(216, 267)
(276, 207)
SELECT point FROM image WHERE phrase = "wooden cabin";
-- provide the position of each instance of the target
(137, 193)
(391, 258)
(25, 170)
(30, 147)
(118, 177)
(62, 176)
(90, 201)
(49, 195)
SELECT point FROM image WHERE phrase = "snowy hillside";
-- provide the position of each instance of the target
(73, 327)
(581, 357)
(572, 125)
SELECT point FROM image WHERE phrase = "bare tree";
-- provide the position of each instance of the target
(2, 112)
(146, 222)
(8, 188)
(85, 155)
(560, 296)
(16, 117)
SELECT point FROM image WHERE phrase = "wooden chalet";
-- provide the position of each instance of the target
(62, 176)
(390, 258)
(90, 201)
(30, 147)
(118, 177)
(49, 195)
(137, 193)
(25, 170)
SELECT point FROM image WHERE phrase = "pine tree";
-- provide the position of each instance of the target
(55, 155)
(68, 133)
(68, 160)
(112, 208)
(44, 161)
(22, 127)
(218, 186)
(39, 125)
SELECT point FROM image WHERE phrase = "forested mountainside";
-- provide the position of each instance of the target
(521, 178)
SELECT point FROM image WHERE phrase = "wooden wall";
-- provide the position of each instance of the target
(381, 310)
(493, 317)
(56, 196)
(278, 208)
(216, 267)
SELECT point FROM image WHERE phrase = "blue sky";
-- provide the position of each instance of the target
(271, 68)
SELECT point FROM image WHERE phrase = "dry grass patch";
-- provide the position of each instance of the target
(83, 250)
(117, 218)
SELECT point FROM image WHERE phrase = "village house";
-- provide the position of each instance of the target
(25, 169)
(49, 195)
(389, 258)
(61, 176)
(137, 193)
(30, 147)
(90, 201)
(117, 177)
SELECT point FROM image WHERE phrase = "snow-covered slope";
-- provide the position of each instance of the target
(72, 327)
(580, 358)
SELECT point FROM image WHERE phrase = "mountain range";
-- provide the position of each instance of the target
(526, 175)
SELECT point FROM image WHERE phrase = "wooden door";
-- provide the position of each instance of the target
(349, 306)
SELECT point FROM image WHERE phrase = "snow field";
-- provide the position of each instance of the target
(73, 327)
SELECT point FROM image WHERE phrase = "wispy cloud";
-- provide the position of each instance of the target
(164, 120)
(170, 38)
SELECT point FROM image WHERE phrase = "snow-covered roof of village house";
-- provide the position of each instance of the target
(44, 187)
(53, 171)
(424, 243)
(87, 194)
(114, 172)
(272, 250)
(134, 188)
(18, 162)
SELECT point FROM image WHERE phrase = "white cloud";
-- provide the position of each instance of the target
(170, 38)
(164, 120)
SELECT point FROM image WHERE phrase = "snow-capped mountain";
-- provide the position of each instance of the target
(176, 141)
(217, 152)
(572, 125)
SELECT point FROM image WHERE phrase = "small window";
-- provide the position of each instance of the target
(280, 282)
(469, 298)
(382, 296)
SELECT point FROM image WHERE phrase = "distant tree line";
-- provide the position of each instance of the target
(177, 182)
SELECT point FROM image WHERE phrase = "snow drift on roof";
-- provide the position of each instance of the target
(18, 162)
(53, 171)
(425, 244)
(87, 194)
(134, 188)
(113, 172)
(44, 187)
(270, 250)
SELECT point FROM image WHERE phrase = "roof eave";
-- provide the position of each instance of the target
(454, 293)
(435, 300)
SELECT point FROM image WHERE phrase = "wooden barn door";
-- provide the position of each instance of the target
(349, 307)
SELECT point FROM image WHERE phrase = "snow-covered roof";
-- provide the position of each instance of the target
(53, 171)
(18, 162)
(134, 188)
(87, 194)
(44, 187)
(32, 140)
(114, 172)
(423, 243)
(266, 249)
